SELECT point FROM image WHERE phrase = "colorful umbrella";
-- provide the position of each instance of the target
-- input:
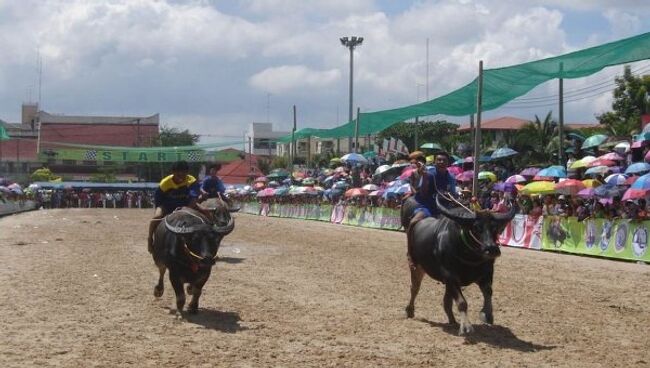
(643, 182)
(268, 192)
(454, 170)
(529, 171)
(407, 173)
(634, 194)
(516, 179)
(309, 181)
(356, 192)
(583, 162)
(354, 158)
(370, 154)
(503, 152)
(262, 179)
(370, 187)
(646, 158)
(569, 187)
(637, 168)
(432, 146)
(539, 187)
(608, 191)
(586, 193)
(616, 179)
(601, 162)
(465, 176)
(553, 172)
(591, 183)
(504, 187)
(594, 141)
(381, 169)
(622, 147)
(613, 156)
(487, 175)
(598, 170)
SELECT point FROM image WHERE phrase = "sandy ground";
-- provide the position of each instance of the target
(77, 292)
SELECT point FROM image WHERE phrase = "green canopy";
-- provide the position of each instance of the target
(500, 85)
(3, 134)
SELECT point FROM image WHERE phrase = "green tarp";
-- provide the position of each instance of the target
(3, 134)
(500, 85)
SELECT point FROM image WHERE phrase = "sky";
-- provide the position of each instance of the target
(215, 66)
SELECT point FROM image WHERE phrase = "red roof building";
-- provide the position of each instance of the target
(240, 171)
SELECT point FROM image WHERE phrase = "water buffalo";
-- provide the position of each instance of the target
(186, 243)
(458, 248)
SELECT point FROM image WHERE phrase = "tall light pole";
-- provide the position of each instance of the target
(351, 43)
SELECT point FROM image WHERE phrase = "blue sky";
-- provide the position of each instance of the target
(214, 67)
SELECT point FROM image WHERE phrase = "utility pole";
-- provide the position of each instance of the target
(477, 131)
(427, 83)
(351, 43)
(560, 155)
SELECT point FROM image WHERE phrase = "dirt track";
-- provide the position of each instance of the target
(77, 292)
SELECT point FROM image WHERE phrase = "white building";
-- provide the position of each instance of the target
(263, 138)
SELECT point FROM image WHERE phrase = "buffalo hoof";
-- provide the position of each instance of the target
(465, 328)
(188, 289)
(192, 309)
(158, 291)
(410, 312)
(486, 318)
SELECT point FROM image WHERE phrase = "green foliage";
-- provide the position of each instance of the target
(631, 100)
(43, 174)
(264, 165)
(441, 132)
(174, 137)
(533, 141)
(279, 162)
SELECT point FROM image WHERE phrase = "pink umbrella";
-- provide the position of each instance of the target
(601, 162)
(455, 170)
(634, 194)
(516, 179)
(613, 156)
(586, 193)
(262, 179)
(465, 176)
(407, 173)
(569, 187)
(268, 192)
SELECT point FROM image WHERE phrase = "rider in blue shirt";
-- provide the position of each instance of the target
(212, 186)
(425, 186)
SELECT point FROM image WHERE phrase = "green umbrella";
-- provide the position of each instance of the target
(370, 154)
(432, 146)
(594, 141)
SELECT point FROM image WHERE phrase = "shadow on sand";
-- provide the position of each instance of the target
(495, 335)
(231, 260)
(216, 320)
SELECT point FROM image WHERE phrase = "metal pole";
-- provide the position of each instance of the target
(356, 132)
(417, 125)
(427, 69)
(250, 155)
(351, 92)
(477, 131)
(292, 150)
(560, 155)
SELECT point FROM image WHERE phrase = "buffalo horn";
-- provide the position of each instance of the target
(179, 229)
(462, 217)
(227, 229)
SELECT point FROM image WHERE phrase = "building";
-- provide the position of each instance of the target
(34, 141)
(263, 138)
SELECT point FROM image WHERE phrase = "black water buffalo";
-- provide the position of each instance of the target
(457, 249)
(186, 243)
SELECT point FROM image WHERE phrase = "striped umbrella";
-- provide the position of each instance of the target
(516, 179)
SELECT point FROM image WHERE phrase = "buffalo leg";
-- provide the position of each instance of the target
(417, 273)
(197, 289)
(447, 303)
(486, 313)
(461, 304)
(177, 284)
(160, 288)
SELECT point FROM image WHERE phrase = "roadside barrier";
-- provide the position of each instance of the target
(618, 239)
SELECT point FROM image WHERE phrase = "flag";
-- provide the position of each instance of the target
(194, 156)
(3, 134)
(90, 155)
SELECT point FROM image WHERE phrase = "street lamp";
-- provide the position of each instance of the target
(351, 43)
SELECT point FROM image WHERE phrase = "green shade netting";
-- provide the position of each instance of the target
(500, 85)
(3, 134)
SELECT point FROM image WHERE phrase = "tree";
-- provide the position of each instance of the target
(441, 132)
(534, 139)
(174, 137)
(631, 100)
(104, 175)
(43, 174)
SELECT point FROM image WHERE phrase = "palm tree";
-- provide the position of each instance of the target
(534, 140)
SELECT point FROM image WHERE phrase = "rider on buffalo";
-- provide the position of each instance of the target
(425, 186)
(176, 190)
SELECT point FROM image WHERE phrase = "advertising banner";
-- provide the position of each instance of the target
(524, 232)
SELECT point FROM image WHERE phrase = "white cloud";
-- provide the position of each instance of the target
(293, 77)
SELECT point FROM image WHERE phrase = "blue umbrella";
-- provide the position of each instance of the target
(597, 170)
(609, 191)
(643, 182)
(503, 152)
(553, 172)
(354, 158)
(594, 141)
(638, 167)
